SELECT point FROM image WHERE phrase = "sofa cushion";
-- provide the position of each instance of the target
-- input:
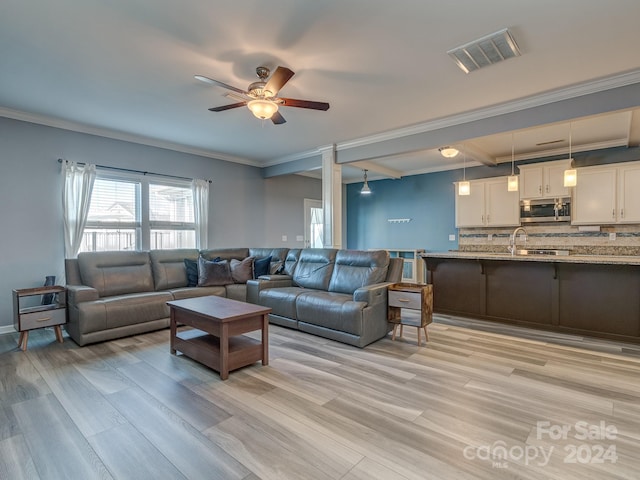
(241, 270)
(121, 310)
(282, 301)
(116, 273)
(278, 256)
(191, 292)
(213, 273)
(291, 261)
(314, 268)
(169, 267)
(236, 291)
(225, 253)
(336, 311)
(357, 268)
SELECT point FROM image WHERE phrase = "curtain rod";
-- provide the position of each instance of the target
(129, 170)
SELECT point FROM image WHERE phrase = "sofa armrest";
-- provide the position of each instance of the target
(276, 276)
(81, 293)
(264, 282)
(372, 294)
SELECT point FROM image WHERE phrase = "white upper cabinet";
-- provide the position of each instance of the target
(594, 196)
(470, 208)
(629, 193)
(607, 194)
(489, 204)
(544, 180)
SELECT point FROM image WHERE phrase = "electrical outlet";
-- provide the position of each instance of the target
(299, 238)
(452, 238)
(490, 237)
(612, 236)
(284, 238)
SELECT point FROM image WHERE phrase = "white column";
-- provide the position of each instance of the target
(331, 198)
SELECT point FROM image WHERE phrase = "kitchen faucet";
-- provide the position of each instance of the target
(512, 239)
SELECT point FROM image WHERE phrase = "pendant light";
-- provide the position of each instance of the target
(464, 187)
(512, 180)
(571, 174)
(365, 188)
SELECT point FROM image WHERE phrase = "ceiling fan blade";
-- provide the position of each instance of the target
(278, 119)
(237, 96)
(211, 81)
(278, 79)
(227, 107)
(292, 102)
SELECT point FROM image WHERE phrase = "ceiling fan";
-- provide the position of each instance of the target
(261, 96)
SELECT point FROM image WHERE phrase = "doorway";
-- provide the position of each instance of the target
(313, 223)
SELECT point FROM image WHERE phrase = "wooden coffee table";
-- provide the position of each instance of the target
(217, 339)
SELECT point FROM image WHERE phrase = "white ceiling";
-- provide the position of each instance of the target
(124, 69)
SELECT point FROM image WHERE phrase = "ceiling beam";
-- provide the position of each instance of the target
(480, 156)
(379, 169)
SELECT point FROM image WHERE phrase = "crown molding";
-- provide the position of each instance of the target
(117, 135)
(566, 93)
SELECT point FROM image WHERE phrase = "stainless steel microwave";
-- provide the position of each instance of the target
(545, 210)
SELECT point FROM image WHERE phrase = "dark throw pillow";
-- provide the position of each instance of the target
(192, 272)
(241, 270)
(212, 274)
(261, 266)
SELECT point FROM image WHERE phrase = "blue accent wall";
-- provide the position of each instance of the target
(427, 199)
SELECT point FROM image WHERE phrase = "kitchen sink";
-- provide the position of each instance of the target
(542, 251)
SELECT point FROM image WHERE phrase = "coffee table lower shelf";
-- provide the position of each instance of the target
(205, 348)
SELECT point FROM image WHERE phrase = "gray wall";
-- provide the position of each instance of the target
(245, 209)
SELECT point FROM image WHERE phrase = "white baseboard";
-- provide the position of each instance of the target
(7, 329)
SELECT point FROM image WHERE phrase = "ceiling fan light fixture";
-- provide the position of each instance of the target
(262, 109)
(448, 152)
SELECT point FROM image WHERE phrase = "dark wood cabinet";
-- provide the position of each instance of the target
(583, 298)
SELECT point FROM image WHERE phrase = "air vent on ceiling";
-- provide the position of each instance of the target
(485, 51)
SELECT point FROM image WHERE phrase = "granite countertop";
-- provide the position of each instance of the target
(595, 259)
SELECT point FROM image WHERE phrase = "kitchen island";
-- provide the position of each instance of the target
(595, 295)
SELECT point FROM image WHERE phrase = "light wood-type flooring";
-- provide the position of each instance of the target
(480, 401)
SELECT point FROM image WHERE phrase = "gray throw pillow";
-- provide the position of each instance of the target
(242, 270)
(276, 267)
(211, 274)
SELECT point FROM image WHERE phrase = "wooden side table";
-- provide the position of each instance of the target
(27, 318)
(412, 296)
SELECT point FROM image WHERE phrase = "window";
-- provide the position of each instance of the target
(114, 216)
(129, 213)
(171, 217)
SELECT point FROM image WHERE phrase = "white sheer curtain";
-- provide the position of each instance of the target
(200, 189)
(76, 197)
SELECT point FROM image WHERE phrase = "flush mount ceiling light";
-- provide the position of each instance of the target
(365, 188)
(485, 51)
(448, 152)
(262, 109)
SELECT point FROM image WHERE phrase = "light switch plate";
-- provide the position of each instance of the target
(452, 238)
(299, 238)
(284, 238)
(490, 237)
(612, 236)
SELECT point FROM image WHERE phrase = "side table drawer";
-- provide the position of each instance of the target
(409, 300)
(45, 318)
